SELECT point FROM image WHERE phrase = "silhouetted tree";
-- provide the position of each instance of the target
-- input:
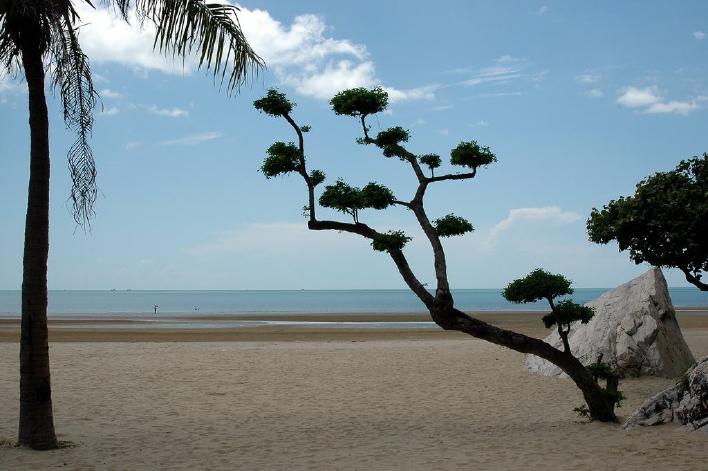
(284, 158)
(664, 223)
(38, 32)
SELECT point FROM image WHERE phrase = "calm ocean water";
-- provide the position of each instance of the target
(131, 303)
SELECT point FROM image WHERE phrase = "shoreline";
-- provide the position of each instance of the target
(286, 327)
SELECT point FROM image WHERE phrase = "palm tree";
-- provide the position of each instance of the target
(38, 32)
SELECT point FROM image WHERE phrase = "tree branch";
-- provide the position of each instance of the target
(367, 139)
(563, 334)
(453, 176)
(443, 287)
(402, 203)
(303, 169)
(416, 166)
(694, 279)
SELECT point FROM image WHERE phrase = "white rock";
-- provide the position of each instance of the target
(634, 328)
(685, 404)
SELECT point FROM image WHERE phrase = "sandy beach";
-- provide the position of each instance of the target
(300, 398)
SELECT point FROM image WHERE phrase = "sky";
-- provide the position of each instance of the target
(578, 100)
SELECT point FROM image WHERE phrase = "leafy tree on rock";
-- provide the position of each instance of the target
(665, 222)
(471, 156)
(38, 32)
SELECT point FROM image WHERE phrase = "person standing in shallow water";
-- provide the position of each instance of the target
(155, 308)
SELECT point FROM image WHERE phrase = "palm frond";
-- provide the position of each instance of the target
(209, 30)
(9, 52)
(71, 77)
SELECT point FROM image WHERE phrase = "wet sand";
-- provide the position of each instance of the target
(87, 328)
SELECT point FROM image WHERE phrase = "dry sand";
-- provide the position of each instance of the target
(328, 400)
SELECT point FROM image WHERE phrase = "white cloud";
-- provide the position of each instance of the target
(677, 107)
(506, 59)
(303, 42)
(633, 97)
(420, 93)
(594, 93)
(501, 94)
(325, 83)
(444, 132)
(300, 54)
(481, 123)
(650, 101)
(106, 37)
(132, 145)
(10, 85)
(543, 10)
(588, 77)
(494, 74)
(192, 139)
(108, 93)
(303, 57)
(443, 107)
(504, 71)
(6, 83)
(551, 214)
(699, 35)
(168, 112)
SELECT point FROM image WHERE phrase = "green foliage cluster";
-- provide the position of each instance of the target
(665, 223)
(538, 284)
(582, 411)
(471, 154)
(568, 312)
(376, 196)
(614, 397)
(348, 199)
(392, 240)
(282, 158)
(432, 161)
(601, 370)
(392, 136)
(275, 103)
(360, 101)
(390, 140)
(340, 196)
(451, 225)
(317, 177)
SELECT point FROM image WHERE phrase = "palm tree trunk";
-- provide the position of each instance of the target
(36, 420)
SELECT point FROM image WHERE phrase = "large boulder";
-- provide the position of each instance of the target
(685, 404)
(634, 329)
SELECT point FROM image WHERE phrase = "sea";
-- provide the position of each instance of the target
(188, 303)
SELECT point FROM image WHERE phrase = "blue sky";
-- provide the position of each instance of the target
(579, 101)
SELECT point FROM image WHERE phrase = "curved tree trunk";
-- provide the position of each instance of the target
(36, 420)
(600, 408)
